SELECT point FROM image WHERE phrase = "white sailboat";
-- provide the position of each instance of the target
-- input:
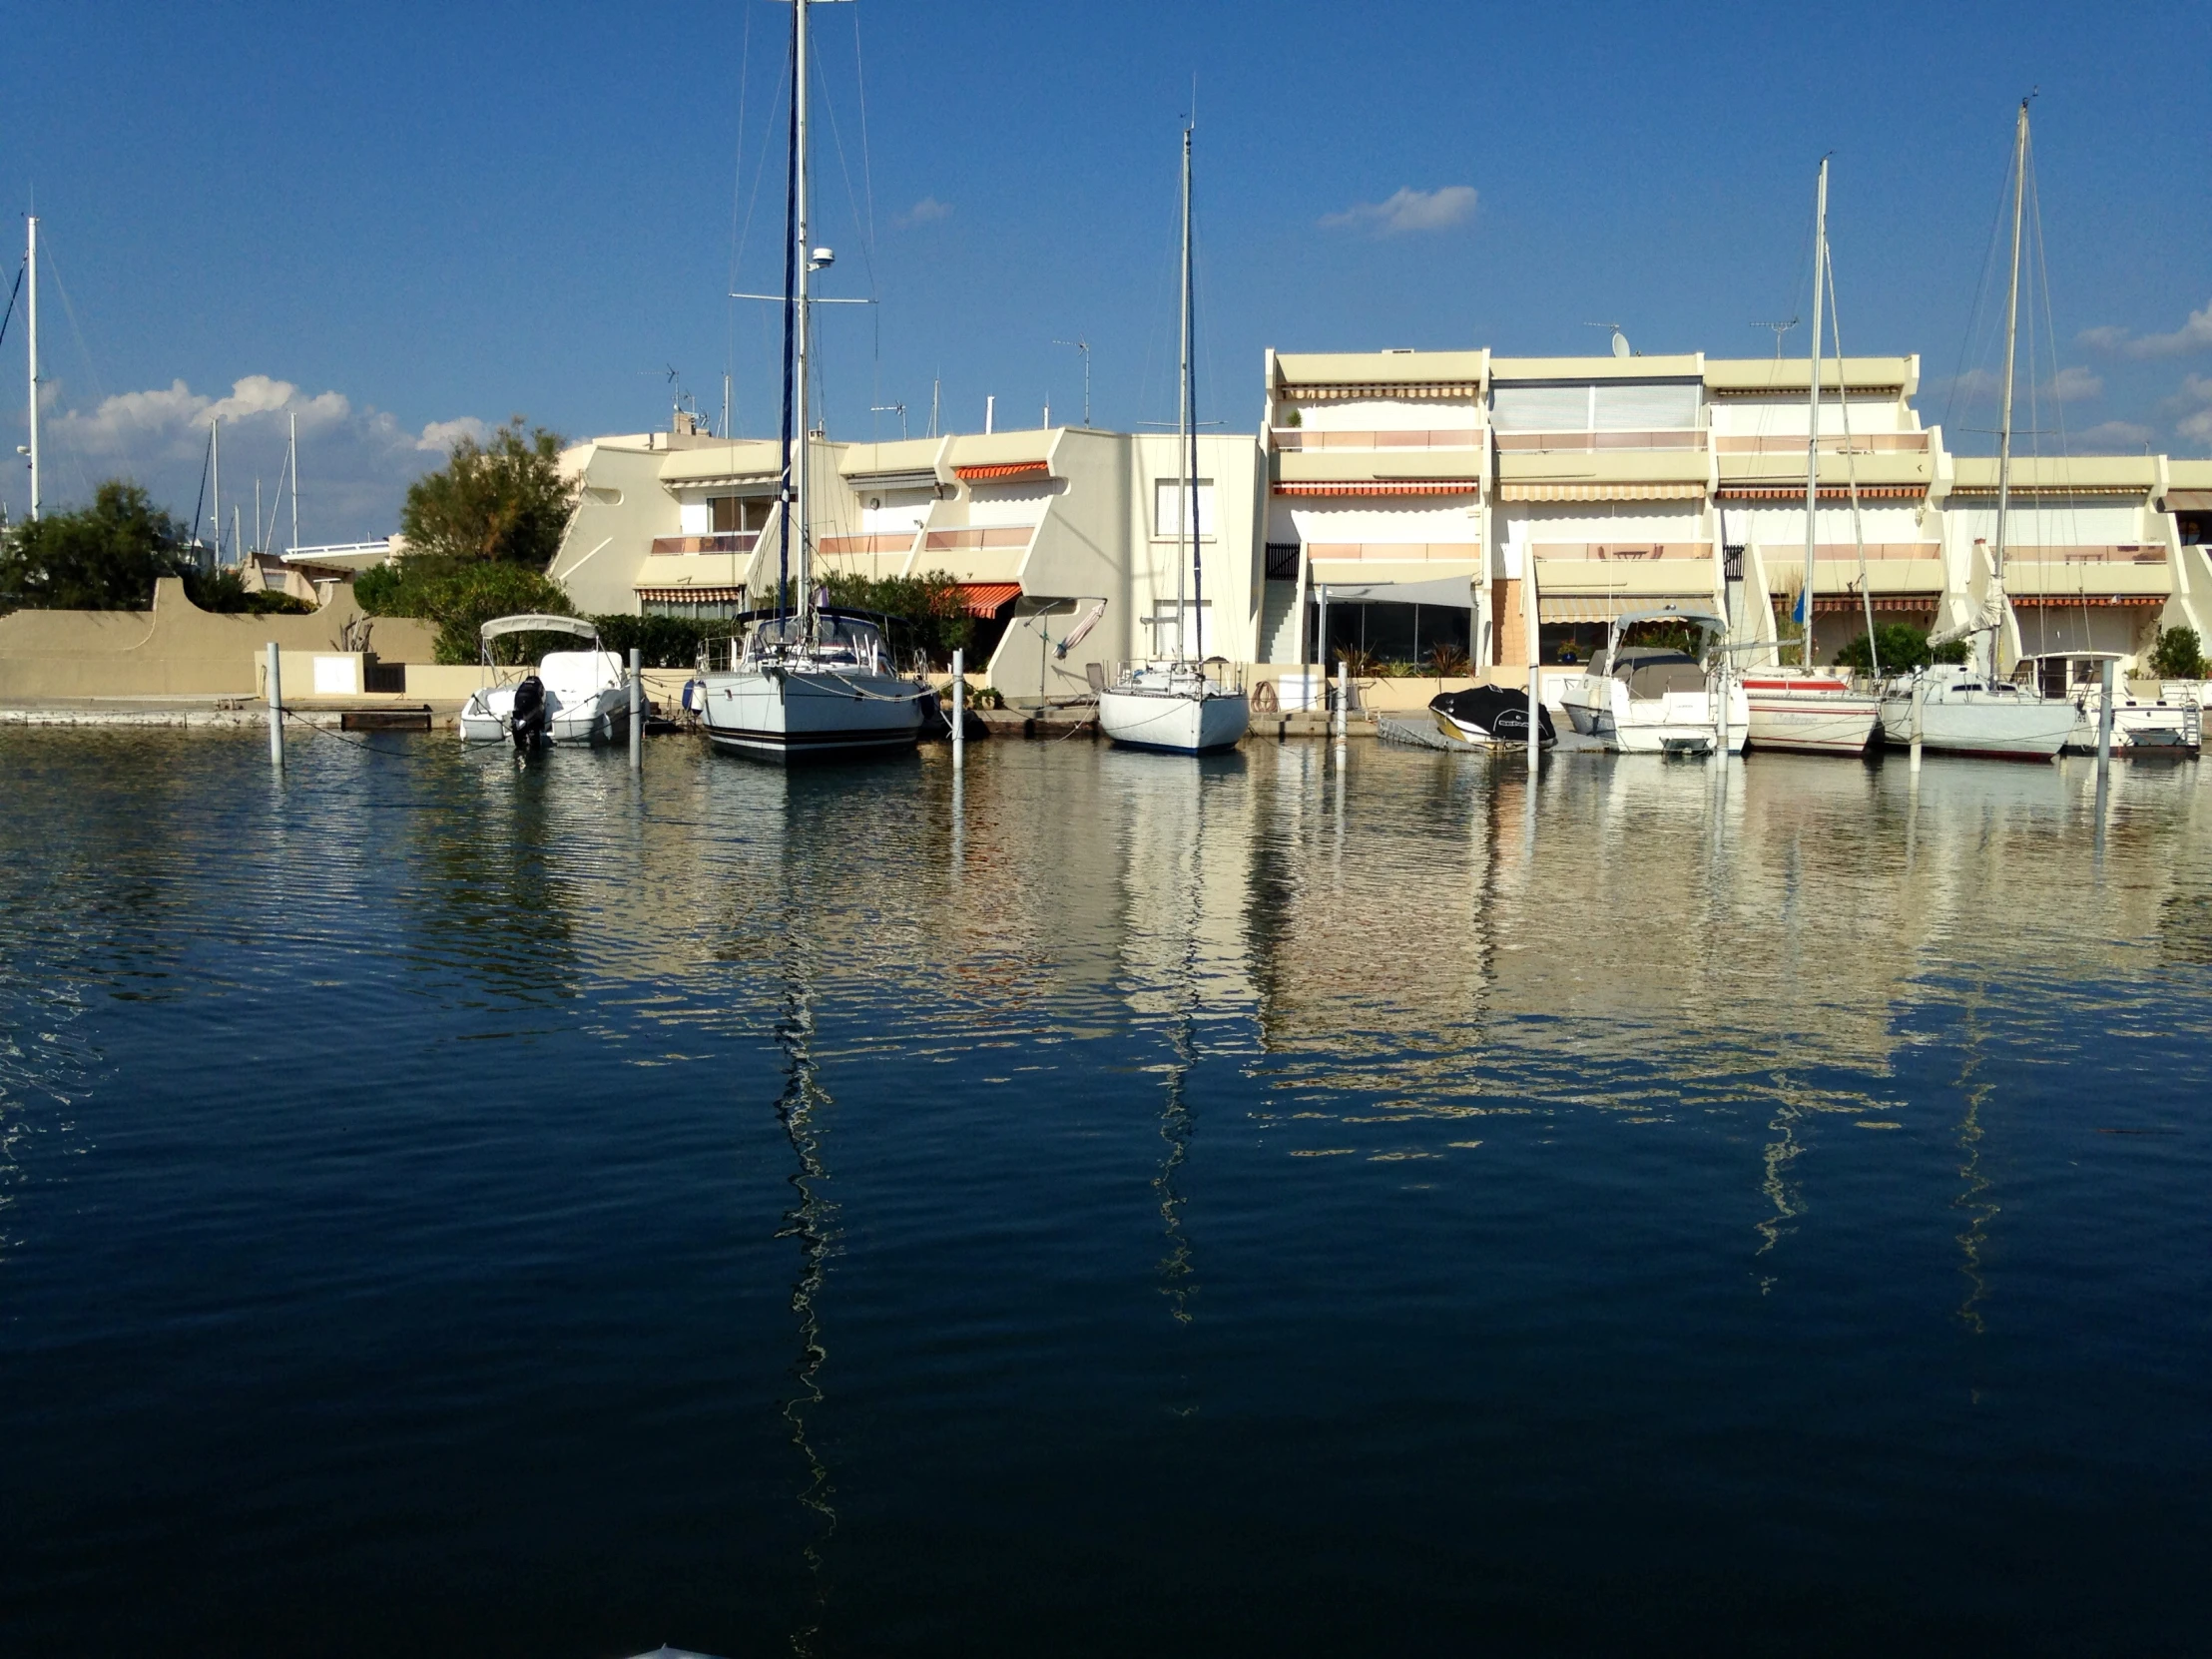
(806, 678)
(1175, 703)
(1805, 708)
(1970, 710)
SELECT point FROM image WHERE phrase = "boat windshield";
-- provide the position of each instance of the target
(826, 636)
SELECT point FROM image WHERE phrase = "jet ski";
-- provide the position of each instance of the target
(1489, 717)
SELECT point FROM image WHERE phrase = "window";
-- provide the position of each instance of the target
(1388, 632)
(1166, 520)
(740, 512)
(1281, 565)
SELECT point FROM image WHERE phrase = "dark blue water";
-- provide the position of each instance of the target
(1242, 1208)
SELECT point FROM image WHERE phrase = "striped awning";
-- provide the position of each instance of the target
(691, 595)
(1828, 492)
(1851, 604)
(2028, 492)
(1603, 607)
(1001, 472)
(2189, 501)
(1680, 491)
(2070, 601)
(987, 599)
(1391, 486)
(1468, 389)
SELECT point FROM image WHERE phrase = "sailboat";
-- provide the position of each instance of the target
(1173, 704)
(806, 678)
(1803, 708)
(1967, 708)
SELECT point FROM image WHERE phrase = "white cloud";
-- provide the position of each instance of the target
(1979, 382)
(1409, 210)
(2074, 385)
(925, 211)
(2113, 435)
(2193, 336)
(355, 463)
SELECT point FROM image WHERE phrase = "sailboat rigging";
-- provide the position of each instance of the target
(807, 677)
(1175, 705)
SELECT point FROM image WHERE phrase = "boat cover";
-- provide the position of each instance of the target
(1501, 712)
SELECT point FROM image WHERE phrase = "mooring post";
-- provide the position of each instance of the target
(2104, 720)
(1919, 708)
(1344, 694)
(1535, 708)
(276, 711)
(637, 709)
(960, 707)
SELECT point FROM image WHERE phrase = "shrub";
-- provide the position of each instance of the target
(662, 641)
(460, 596)
(1902, 648)
(225, 592)
(2177, 655)
(927, 611)
(503, 499)
(105, 557)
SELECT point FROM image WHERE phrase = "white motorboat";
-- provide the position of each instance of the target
(807, 679)
(814, 683)
(1176, 707)
(1954, 709)
(1809, 711)
(1180, 705)
(2157, 727)
(586, 693)
(1655, 700)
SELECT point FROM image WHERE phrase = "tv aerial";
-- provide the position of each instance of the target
(1620, 341)
(1779, 329)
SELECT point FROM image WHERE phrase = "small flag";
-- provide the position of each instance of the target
(1802, 604)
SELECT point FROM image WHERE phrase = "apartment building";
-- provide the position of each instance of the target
(1456, 509)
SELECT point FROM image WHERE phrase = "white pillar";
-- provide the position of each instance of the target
(960, 707)
(1920, 702)
(276, 711)
(1535, 712)
(1344, 695)
(637, 709)
(2104, 719)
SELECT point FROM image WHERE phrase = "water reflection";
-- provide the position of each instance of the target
(811, 1220)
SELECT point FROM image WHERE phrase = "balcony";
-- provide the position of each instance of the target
(722, 541)
(978, 538)
(1597, 551)
(1593, 443)
(899, 542)
(2122, 553)
(1304, 438)
(1832, 443)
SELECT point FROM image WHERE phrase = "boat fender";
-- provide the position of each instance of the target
(695, 695)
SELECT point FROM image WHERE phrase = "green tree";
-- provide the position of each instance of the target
(929, 614)
(1902, 648)
(105, 557)
(502, 500)
(460, 596)
(2178, 655)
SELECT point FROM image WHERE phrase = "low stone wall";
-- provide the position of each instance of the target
(178, 650)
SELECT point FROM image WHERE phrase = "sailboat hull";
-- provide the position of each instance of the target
(1988, 728)
(1174, 721)
(788, 714)
(1810, 715)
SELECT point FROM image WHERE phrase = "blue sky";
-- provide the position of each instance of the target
(402, 220)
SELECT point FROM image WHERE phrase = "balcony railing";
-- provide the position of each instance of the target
(722, 541)
(1607, 550)
(1782, 557)
(1832, 443)
(1423, 552)
(2122, 553)
(1592, 443)
(901, 542)
(1305, 438)
(974, 539)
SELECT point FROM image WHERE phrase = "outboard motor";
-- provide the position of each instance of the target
(531, 715)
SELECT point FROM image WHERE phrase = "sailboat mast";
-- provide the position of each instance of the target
(215, 459)
(801, 321)
(1186, 436)
(1813, 418)
(30, 260)
(296, 482)
(2004, 415)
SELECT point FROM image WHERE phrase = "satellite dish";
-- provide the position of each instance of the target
(1620, 344)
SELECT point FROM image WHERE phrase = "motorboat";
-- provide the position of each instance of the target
(1489, 717)
(816, 682)
(1954, 709)
(1180, 705)
(1658, 699)
(586, 694)
(1809, 711)
(2160, 728)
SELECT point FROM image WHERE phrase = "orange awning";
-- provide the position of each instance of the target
(1828, 492)
(1395, 487)
(2064, 601)
(1851, 604)
(691, 596)
(1001, 472)
(987, 599)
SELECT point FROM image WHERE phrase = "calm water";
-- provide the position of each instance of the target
(1134, 1207)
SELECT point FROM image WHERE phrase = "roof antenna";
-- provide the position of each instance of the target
(1779, 329)
(1620, 341)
